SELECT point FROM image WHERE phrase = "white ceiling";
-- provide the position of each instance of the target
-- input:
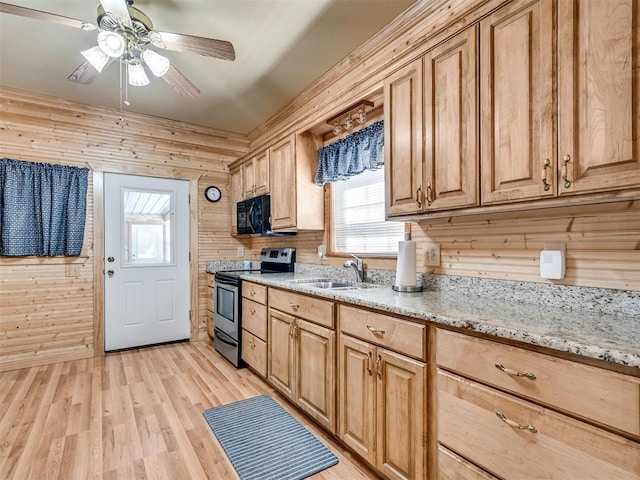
(282, 47)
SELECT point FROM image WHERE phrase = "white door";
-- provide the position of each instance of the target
(146, 245)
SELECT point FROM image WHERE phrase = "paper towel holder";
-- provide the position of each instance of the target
(407, 289)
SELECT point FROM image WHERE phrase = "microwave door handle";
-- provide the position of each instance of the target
(250, 217)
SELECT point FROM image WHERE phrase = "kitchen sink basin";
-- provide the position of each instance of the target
(335, 285)
(329, 284)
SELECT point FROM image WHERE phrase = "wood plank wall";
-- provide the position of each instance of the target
(46, 316)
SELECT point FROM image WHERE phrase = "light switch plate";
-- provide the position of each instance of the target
(430, 254)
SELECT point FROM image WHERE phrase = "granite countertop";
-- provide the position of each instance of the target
(613, 338)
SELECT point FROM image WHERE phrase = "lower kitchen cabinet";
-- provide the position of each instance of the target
(301, 365)
(515, 439)
(521, 414)
(383, 408)
(454, 467)
(254, 327)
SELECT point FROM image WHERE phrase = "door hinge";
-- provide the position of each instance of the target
(189, 256)
(189, 198)
(189, 315)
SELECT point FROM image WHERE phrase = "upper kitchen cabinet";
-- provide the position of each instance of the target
(256, 175)
(403, 140)
(516, 96)
(598, 95)
(431, 130)
(297, 203)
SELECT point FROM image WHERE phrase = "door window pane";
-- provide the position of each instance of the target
(148, 230)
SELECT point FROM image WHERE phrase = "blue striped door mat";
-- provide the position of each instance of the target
(264, 442)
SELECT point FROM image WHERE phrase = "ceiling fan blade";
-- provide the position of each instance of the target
(49, 17)
(180, 83)
(85, 74)
(117, 8)
(189, 43)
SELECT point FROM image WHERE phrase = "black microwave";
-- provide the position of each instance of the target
(254, 216)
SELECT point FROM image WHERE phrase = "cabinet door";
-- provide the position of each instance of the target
(403, 140)
(599, 95)
(261, 172)
(235, 196)
(451, 123)
(401, 421)
(283, 193)
(315, 357)
(516, 92)
(357, 406)
(281, 352)
(249, 180)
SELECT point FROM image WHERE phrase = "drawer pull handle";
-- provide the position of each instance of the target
(369, 369)
(545, 166)
(379, 367)
(517, 425)
(515, 373)
(295, 306)
(376, 331)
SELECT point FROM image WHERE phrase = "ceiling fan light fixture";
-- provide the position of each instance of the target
(158, 64)
(137, 77)
(111, 43)
(96, 57)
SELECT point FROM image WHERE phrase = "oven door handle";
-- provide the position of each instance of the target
(227, 282)
(219, 337)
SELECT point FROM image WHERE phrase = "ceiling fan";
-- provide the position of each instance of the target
(126, 34)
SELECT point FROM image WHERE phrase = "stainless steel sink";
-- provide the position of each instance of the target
(335, 285)
(329, 284)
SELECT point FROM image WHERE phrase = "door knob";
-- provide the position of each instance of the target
(110, 273)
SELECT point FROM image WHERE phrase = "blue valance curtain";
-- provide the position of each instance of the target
(42, 208)
(349, 156)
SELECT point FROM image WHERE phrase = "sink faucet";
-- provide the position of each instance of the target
(358, 268)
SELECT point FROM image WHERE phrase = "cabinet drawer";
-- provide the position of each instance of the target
(594, 393)
(453, 467)
(399, 335)
(313, 309)
(254, 352)
(255, 292)
(254, 318)
(560, 448)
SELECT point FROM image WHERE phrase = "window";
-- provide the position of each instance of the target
(147, 231)
(357, 220)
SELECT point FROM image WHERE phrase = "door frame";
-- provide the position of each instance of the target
(98, 250)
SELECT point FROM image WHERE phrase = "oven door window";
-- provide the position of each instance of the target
(225, 302)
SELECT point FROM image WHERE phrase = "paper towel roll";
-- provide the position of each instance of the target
(406, 267)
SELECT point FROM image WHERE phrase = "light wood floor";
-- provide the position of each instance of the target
(130, 415)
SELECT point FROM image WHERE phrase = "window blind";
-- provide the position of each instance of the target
(358, 223)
